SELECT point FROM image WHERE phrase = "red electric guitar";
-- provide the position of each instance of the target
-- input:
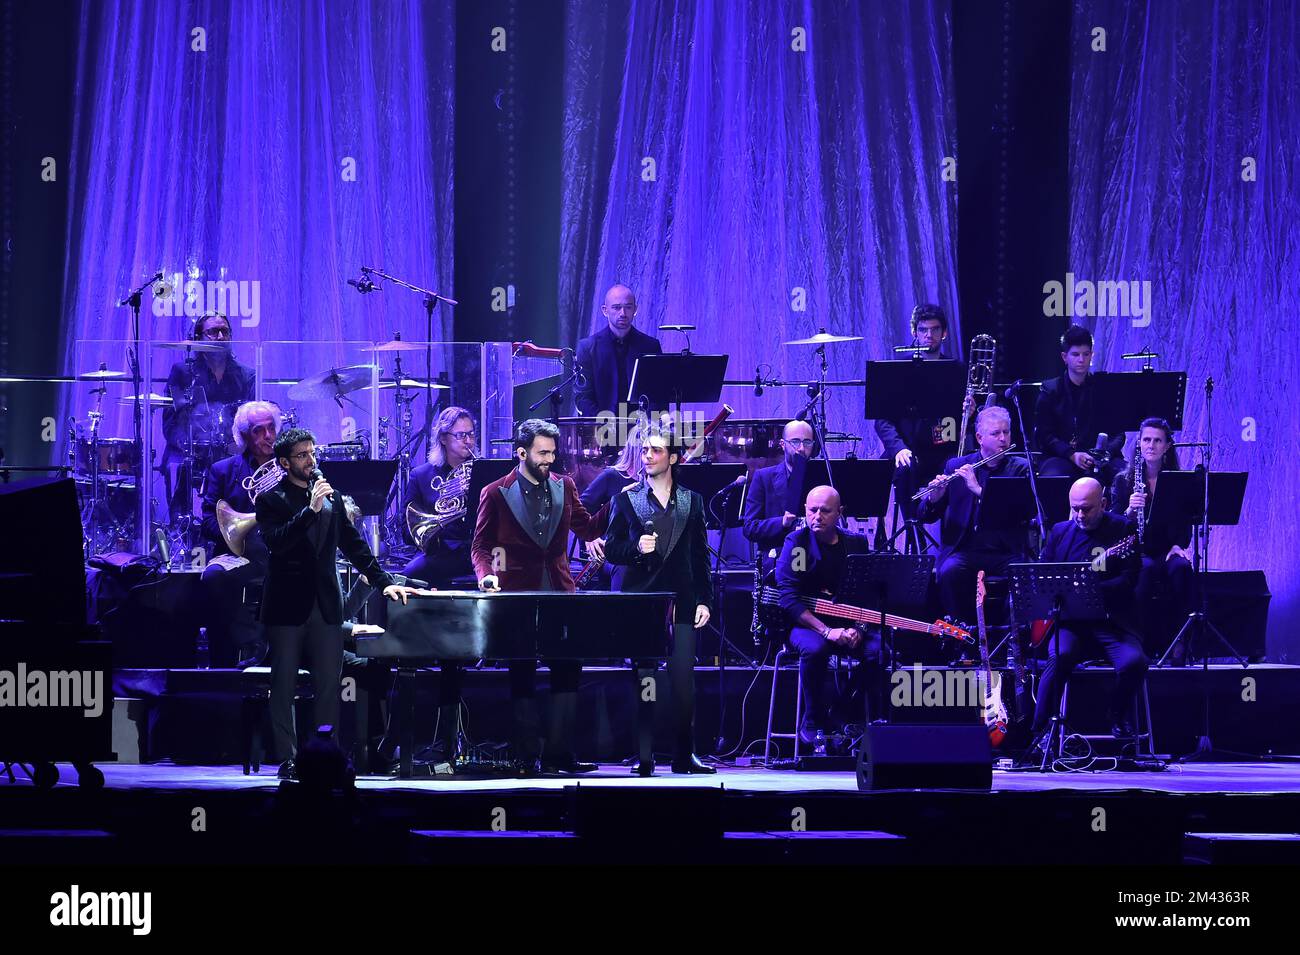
(995, 711)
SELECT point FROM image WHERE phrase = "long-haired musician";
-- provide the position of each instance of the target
(234, 633)
(304, 523)
(1166, 565)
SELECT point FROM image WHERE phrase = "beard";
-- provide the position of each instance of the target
(538, 472)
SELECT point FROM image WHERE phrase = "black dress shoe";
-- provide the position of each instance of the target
(252, 654)
(692, 765)
(569, 768)
(644, 769)
(288, 770)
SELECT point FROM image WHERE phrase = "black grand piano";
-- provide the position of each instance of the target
(517, 625)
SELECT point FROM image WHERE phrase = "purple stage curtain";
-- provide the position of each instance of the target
(775, 170)
(1184, 172)
(229, 164)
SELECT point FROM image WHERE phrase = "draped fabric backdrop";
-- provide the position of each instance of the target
(229, 164)
(774, 170)
(1161, 124)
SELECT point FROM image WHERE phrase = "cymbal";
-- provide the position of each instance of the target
(103, 374)
(410, 383)
(152, 398)
(824, 338)
(194, 346)
(326, 385)
(676, 328)
(398, 345)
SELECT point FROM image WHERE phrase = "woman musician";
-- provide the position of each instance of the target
(1166, 566)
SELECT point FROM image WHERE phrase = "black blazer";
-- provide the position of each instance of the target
(959, 508)
(1156, 539)
(600, 367)
(682, 569)
(764, 508)
(225, 482)
(302, 545)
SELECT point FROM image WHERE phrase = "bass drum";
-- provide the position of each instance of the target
(588, 446)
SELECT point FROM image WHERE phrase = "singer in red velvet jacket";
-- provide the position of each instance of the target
(520, 559)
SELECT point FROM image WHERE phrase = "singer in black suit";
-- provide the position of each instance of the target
(657, 531)
(606, 358)
(772, 504)
(1064, 426)
(304, 522)
(965, 548)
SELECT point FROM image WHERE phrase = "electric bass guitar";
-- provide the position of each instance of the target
(825, 607)
(995, 711)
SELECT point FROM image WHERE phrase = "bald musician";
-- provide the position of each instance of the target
(811, 564)
(771, 505)
(606, 358)
(1089, 532)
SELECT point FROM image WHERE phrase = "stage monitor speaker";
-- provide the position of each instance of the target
(925, 756)
(1238, 602)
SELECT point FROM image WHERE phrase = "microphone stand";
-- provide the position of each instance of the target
(431, 299)
(133, 299)
(1040, 518)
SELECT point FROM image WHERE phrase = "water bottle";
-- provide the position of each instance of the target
(201, 650)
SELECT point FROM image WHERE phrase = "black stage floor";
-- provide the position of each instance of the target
(216, 814)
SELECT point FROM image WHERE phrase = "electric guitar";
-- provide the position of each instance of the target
(995, 711)
(1123, 549)
(825, 607)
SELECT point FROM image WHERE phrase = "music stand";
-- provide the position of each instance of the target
(863, 484)
(1054, 492)
(366, 482)
(1120, 399)
(887, 579)
(708, 479)
(1055, 592)
(1181, 501)
(483, 473)
(1006, 503)
(664, 380)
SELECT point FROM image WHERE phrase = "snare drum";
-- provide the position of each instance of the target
(116, 456)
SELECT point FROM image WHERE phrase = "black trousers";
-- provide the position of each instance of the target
(815, 652)
(957, 574)
(439, 566)
(321, 644)
(1173, 580)
(681, 687)
(563, 710)
(1076, 642)
(234, 622)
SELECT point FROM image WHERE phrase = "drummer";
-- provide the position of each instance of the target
(606, 358)
(216, 381)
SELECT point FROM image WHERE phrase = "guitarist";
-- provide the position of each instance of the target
(1087, 534)
(811, 564)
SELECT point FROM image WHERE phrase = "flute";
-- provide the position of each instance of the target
(947, 478)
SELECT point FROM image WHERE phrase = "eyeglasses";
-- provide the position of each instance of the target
(216, 333)
(462, 435)
(799, 442)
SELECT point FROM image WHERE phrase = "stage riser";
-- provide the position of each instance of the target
(375, 826)
(194, 715)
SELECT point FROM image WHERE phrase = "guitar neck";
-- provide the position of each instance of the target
(862, 615)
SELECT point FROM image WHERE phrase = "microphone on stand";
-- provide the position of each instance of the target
(758, 383)
(363, 285)
(1010, 393)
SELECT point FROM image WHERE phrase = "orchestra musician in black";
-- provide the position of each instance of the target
(919, 446)
(217, 380)
(304, 523)
(811, 565)
(1166, 570)
(235, 634)
(965, 547)
(773, 499)
(1065, 428)
(657, 532)
(606, 358)
(1086, 536)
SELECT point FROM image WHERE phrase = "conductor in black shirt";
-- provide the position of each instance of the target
(303, 522)
(1088, 533)
(811, 565)
(606, 358)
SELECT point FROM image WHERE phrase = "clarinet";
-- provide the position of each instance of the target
(1139, 483)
